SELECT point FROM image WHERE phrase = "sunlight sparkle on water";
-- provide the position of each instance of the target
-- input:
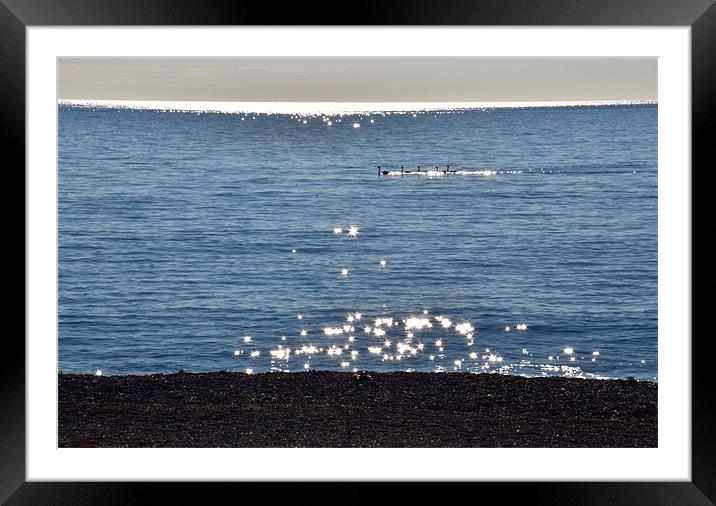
(281, 353)
(444, 337)
(464, 328)
(344, 272)
(418, 323)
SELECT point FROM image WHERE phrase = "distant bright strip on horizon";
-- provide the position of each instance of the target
(314, 108)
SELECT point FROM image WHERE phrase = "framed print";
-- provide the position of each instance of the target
(444, 238)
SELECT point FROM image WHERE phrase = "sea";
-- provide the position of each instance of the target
(255, 242)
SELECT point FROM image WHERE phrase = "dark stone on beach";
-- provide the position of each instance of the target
(341, 409)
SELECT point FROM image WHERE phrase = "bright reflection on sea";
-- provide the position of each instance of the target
(391, 340)
(327, 109)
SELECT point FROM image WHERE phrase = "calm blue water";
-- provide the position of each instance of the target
(176, 233)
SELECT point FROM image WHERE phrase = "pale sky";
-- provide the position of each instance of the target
(358, 79)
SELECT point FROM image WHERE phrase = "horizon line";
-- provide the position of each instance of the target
(318, 108)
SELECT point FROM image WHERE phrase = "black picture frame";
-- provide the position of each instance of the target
(16, 15)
